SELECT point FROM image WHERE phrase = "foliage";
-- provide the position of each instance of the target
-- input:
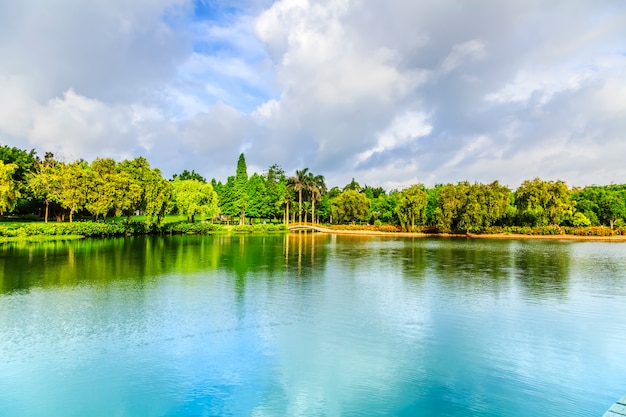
(73, 186)
(192, 228)
(470, 207)
(186, 175)
(411, 206)
(258, 199)
(8, 188)
(543, 202)
(87, 229)
(104, 187)
(259, 228)
(240, 188)
(298, 183)
(387, 228)
(350, 206)
(192, 197)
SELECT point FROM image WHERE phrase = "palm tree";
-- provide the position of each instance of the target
(316, 186)
(298, 183)
(286, 200)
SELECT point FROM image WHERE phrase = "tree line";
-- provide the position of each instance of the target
(47, 187)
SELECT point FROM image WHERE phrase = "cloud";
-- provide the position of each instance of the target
(391, 94)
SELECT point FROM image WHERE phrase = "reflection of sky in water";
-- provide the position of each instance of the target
(327, 326)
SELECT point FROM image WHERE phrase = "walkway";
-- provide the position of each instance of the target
(308, 226)
(618, 409)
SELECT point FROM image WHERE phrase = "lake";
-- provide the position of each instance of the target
(311, 325)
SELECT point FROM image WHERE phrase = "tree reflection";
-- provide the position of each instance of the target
(543, 268)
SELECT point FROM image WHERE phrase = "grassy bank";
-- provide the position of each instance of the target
(58, 230)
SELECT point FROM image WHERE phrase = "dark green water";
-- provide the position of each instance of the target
(311, 325)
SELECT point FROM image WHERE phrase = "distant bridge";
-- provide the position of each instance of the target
(308, 226)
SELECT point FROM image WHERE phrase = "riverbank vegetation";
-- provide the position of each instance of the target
(82, 198)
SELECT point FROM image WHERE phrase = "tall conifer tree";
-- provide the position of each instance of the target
(240, 191)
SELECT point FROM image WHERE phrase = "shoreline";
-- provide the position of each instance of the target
(498, 236)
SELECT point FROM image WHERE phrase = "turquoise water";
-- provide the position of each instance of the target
(311, 325)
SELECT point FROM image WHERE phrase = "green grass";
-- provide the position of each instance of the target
(39, 238)
(14, 230)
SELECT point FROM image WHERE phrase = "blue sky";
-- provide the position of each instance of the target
(389, 93)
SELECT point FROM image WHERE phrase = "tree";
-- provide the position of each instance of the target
(192, 197)
(276, 184)
(298, 183)
(385, 207)
(350, 206)
(186, 175)
(316, 186)
(411, 205)
(611, 206)
(44, 182)
(258, 201)
(128, 193)
(353, 185)
(154, 190)
(240, 188)
(450, 201)
(73, 186)
(484, 205)
(8, 188)
(543, 202)
(101, 195)
(25, 163)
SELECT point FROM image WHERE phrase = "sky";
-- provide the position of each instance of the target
(391, 93)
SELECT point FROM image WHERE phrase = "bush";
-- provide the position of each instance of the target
(192, 228)
(259, 228)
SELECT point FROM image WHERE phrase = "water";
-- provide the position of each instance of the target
(311, 325)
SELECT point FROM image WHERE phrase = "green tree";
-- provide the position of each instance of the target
(25, 164)
(44, 182)
(155, 191)
(73, 184)
(258, 200)
(240, 189)
(8, 188)
(611, 206)
(276, 184)
(101, 195)
(485, 204)
(450, 202)
(543, 202)
(353, 185)
(128, 193)
(157, 196)
(186, 175)
(192, 197)
(350, 206)
(411, 206)
(385, 207)
(316, 186)
(298, 183)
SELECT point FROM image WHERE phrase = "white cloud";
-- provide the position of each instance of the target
(463, 52)
(386, 93)
(403, 129)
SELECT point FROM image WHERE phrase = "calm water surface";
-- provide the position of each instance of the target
(311, 325)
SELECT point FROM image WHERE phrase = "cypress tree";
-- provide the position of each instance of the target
(240, 189)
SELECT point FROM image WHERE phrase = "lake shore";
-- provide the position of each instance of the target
(510, 236)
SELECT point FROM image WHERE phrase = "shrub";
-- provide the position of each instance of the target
(192, 228)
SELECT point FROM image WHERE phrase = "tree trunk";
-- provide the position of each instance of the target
(313, 210)
(46, 215)
(300, 205)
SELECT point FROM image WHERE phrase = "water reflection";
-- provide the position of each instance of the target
(543, 268)
(310, 324)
